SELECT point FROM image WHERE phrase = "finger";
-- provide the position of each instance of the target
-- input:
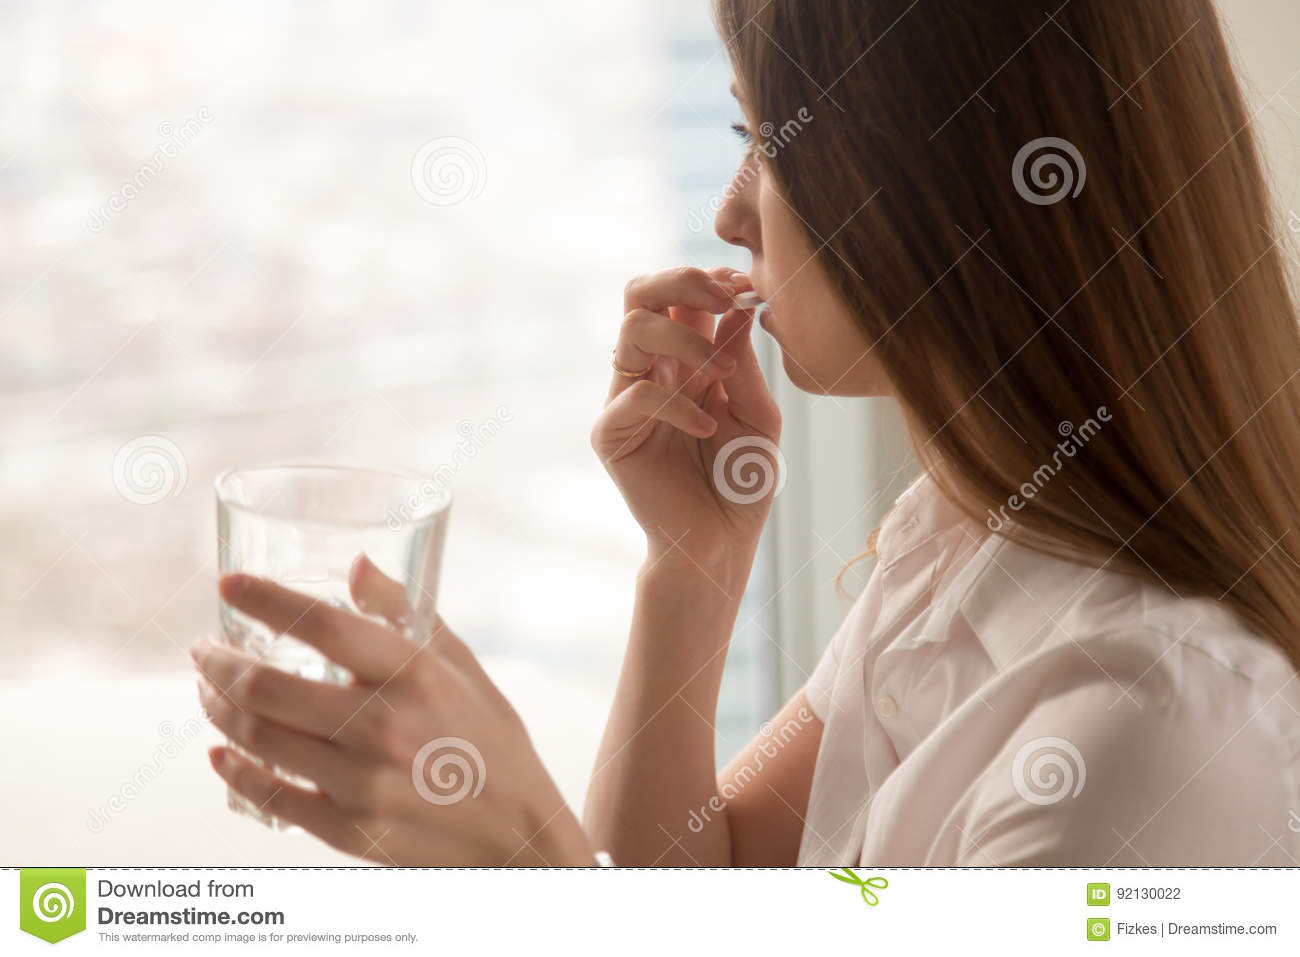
(371, 651)
(747, 391)
(313, 707)
(312, 811)
(734, 280)
(638, 408)
(697, 320)
(702, 320)
(687, 286)
(374, 593)
(648, 335)
(328, 765)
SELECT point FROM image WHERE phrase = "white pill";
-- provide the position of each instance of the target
(748, 300)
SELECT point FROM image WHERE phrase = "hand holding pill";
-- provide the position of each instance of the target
(687, 396)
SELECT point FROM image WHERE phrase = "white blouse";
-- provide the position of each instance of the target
(987, 705)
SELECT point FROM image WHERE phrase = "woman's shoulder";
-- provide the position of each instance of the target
(1130, 718)
(1028, 610)
(1124, 767)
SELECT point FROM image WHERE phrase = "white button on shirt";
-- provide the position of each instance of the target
(1031, 711)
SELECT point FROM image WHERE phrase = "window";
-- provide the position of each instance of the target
(393, 233)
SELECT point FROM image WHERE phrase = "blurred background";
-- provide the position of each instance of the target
(392, 233)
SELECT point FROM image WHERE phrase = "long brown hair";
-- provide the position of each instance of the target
(1056, 233)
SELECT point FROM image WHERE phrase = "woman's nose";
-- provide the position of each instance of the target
(737, 219)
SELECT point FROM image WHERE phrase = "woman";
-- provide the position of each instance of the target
(1048, 237)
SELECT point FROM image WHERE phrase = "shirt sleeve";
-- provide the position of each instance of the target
(853, 629)
(822, 681)
(1188, 771)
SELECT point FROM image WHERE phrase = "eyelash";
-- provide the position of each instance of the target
(743, 132)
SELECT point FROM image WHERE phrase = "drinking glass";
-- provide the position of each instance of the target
(303, 525)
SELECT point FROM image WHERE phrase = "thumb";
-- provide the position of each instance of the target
(374, 593)
(747, 392)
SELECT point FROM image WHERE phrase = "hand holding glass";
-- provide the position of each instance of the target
(303, 526)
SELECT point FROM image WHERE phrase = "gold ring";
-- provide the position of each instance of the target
(626, 373)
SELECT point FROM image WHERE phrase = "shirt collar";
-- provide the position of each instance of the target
(920, 514)
(1016, 600)
(1012, 597)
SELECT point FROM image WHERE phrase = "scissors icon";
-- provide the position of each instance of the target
(868, 895)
